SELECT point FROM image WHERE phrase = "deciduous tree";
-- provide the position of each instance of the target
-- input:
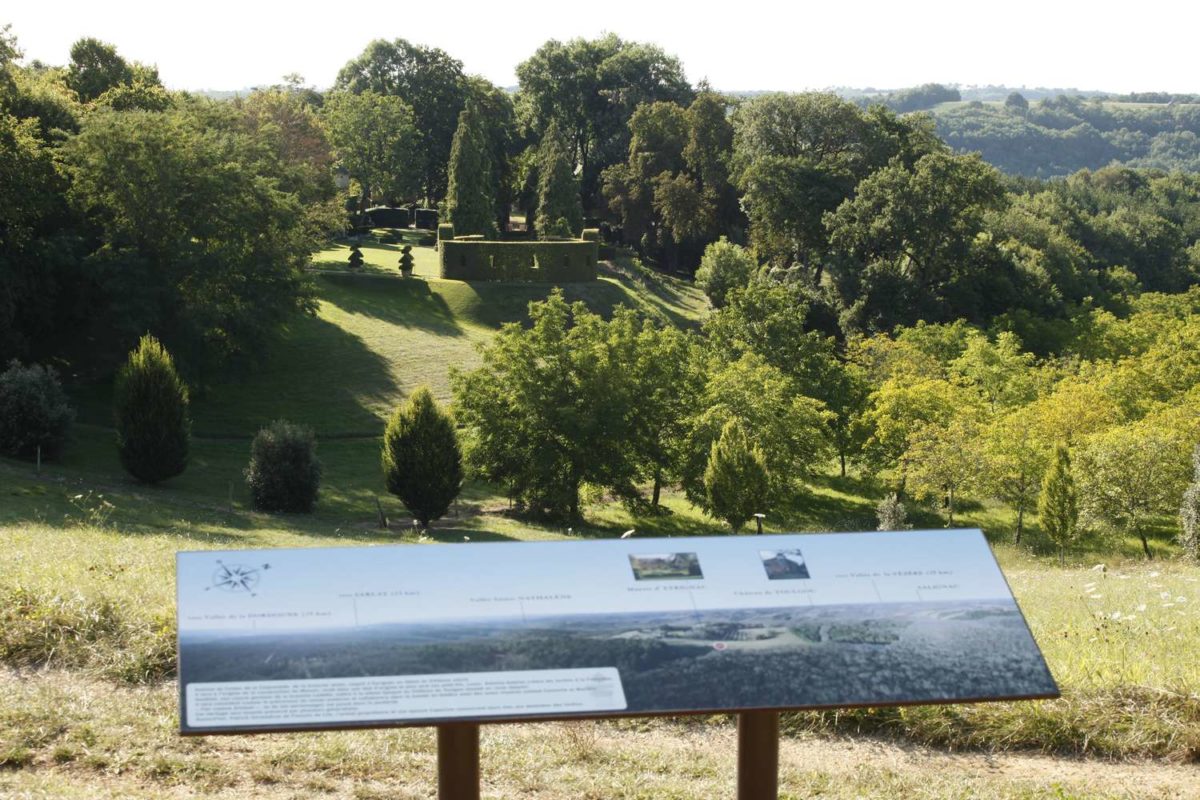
(430, 83)
(376, 139)
(1131, 474)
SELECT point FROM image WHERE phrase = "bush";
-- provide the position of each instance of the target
(150, 405)
(422, 462)
(33, 411)
(892, 514)
(284, 473)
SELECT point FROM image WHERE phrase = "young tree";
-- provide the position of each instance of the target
(669, 374)
(724, 267)
(736, 477)
(788, 427)
(1057, 505)
(422, 462)
(943, 461)
(558, 188)
(1014, 462)
(1131, 474)
(998, 370)
(902, 405)
(471, 196)
(1189, 511)
(150, 404)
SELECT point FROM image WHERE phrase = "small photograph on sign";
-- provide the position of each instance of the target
(784, 565)
(666, 566)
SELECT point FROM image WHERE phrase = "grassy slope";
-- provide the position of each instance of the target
(375, 338)
(86, 584)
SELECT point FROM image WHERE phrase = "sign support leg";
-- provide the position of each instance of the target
(458, 762)
(758, 755)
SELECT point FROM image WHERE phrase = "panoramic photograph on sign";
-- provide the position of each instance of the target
(345, 637)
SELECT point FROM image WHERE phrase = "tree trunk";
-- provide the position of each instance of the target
(657, 488)
(1145, 544)
(1020, 522)
(950, 505)
(842, 456)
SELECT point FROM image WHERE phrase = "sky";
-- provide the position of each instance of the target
(743, 45)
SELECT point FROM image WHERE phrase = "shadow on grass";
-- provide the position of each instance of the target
(635, 280)
(817, 512)
(315, 373)
(500, 302)
(455, 534)
(404, 303)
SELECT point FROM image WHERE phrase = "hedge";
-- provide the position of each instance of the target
(426, 218)
(385, 217)
(553, 262)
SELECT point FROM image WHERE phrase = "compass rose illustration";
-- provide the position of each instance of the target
(236, 578)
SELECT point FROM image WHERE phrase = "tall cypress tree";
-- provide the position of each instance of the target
(150, 406)
(422, 461)
(1058, 506)
(558, 188)
(471, 196)
(1189, 512)
(736, 483)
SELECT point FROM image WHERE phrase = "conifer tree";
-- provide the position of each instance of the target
(735, 480)
(471, 196)
(1189, 512)
(150, 403)
(1058, 507)
(558, 188)
(422, 461)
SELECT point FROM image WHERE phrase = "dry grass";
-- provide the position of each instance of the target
(63, 736)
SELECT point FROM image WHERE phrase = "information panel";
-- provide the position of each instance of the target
(424, 634)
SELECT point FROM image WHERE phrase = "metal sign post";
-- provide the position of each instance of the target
(458, 762)
(758, 755)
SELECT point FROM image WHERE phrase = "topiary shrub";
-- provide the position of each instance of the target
(34, 411)
(284, 473)
(150, 407)
(422, 461)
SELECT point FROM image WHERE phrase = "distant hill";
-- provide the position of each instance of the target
(1060, 135)
(1046, 133)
